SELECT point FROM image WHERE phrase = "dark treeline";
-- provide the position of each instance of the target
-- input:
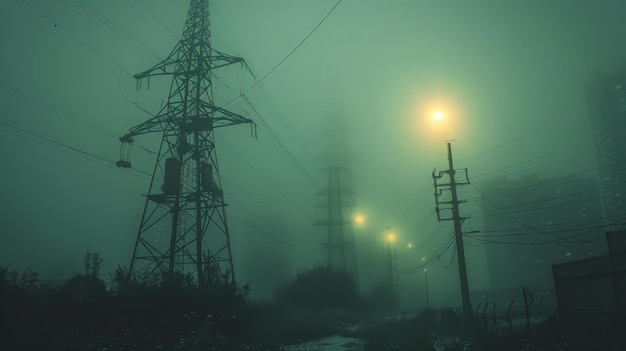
(175, 313)
(82, 313)
(172, 313)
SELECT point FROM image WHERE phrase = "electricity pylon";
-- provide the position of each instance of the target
(183, 228)
(341, 253)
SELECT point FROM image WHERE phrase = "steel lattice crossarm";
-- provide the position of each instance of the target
(171, 116)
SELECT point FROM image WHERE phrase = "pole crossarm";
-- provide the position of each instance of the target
(440, 188)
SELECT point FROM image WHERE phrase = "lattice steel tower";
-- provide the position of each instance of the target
(183, 227)
(340, 245)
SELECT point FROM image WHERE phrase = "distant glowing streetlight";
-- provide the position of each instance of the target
(410, 245)
(438, 116)
(390, 237)
(359, 219)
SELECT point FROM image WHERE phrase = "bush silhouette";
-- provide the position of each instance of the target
(320, 287)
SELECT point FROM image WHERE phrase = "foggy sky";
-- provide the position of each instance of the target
(357, 93)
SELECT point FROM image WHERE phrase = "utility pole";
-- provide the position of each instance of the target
(183, 229)
(391, 269)
(426, 283)
(457, 220)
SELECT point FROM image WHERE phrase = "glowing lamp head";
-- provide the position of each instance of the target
(391, 238)
(359, 219)
(438, 116)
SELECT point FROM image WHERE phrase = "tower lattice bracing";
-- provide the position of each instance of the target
(338, 200)
(183, 227)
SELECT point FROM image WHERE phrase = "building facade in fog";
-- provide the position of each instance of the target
(532, 223)
(607, 113)
(591, 297)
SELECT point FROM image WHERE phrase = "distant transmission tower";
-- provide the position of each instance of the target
(340, 245)
(183, 227)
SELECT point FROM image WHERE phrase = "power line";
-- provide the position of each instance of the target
(573, 177)
(534, 131)
(557, 197)
(55, 142)
(542, 156)
(155, 19)
(415, 199)
(83, 42)
(436, 257)
(70, 150)
(64, 115)
(538, 230)
(433, 233)
(59, 26)
(57, 112)
(92, 16)
(269, 101)
(281, 146)
(286, 238)
(297, 46)
(269, 182)
(485, 234)
(508, 215)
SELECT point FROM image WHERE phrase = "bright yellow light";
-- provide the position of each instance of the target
(437, 116)
(391, 238)
(359, 219)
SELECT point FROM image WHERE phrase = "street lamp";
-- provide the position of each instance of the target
(439, 117)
